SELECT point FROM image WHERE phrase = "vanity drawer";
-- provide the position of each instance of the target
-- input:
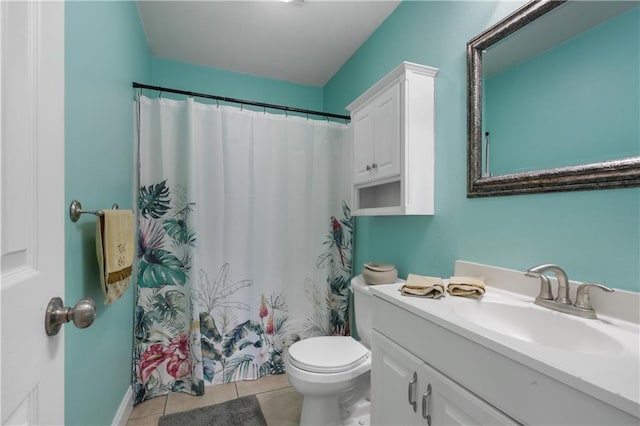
(521, 392)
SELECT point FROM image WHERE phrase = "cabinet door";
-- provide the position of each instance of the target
(386, 145)
(450, 404)
(392, 373)
(363, 131)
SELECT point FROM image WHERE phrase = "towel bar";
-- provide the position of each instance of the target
(75, 210)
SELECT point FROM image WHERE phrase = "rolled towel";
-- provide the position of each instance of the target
(114, 247)
(423, 286)
(466, 286)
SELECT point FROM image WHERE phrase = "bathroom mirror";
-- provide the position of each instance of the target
(554, 99)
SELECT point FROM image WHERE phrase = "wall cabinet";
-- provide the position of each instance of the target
(393, 144)
(376, 142)
(406, 390)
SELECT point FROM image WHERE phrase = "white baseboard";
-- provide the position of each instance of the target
(124, 410)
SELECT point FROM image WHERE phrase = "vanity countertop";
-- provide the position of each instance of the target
(610, 374)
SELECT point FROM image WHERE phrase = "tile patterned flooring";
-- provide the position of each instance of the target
(280, 403)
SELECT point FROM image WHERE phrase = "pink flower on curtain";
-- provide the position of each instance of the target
(150, 360)
(269, 329)
(177, 353)
(263, 308)
(179, 362)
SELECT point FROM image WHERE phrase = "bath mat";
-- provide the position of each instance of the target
(243, 411)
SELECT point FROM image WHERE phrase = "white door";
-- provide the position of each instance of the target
(395, 384)
(386, 143)
(450, 404)
(32, 209)
(363, 131)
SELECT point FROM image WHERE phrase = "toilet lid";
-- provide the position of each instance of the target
(327, 354)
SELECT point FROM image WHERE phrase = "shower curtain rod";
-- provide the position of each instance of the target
(240, 101)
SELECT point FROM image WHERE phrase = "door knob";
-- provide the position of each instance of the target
(82, 314)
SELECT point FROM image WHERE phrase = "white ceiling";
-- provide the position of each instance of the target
(302, 42)
(559, 25)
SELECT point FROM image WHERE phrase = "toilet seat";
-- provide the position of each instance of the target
(328, 354)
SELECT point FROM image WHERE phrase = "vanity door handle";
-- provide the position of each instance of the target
(412, 400)
(426, 399)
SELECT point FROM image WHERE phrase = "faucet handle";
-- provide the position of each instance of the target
(545, 285)
(583, 300)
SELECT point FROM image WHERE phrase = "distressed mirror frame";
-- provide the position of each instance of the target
(608, 174)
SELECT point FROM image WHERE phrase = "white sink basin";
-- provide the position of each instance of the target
(539, 326)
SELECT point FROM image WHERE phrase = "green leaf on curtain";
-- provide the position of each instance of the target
(232, 338)
(153, 200)
(173, 309)
(273, 365)
(197, 388)
(346, 211)
(281, 325)
(238, 367)
(208, 367)
(179, 232)
(247, 343)
(208, 328)
(159, 267)
(181, 385)
(339, 284)
(143, 322)
(239, 332)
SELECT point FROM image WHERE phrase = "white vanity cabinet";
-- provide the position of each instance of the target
(474, 379)
(393, 144)
(407, 391)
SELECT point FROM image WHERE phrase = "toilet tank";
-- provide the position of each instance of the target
(362, 307)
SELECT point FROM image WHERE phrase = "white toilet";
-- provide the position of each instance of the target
(333, 372)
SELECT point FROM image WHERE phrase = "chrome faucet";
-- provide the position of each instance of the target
(562, 303)
(563, 282)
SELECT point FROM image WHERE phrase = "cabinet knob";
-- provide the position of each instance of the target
(368, 168)
(374, 166)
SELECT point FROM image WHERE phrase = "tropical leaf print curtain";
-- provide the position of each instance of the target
(244, 242)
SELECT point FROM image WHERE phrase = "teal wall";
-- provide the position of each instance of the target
(105, 50)
(179, 75)
(594, 235)
(574, 104)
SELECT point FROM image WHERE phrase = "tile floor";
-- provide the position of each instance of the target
(280, 403)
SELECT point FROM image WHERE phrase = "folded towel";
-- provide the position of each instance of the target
(466, 286)
(114, 249)
(423, 286)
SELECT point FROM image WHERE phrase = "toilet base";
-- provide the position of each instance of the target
(321, 411)
(358, 415)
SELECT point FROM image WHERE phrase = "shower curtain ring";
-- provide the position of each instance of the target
(218, 102)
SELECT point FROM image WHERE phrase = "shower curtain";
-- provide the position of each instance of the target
(244, 242)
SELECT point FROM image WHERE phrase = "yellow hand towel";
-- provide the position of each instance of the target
(466, 286)
(114, 248)
(423, 286)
